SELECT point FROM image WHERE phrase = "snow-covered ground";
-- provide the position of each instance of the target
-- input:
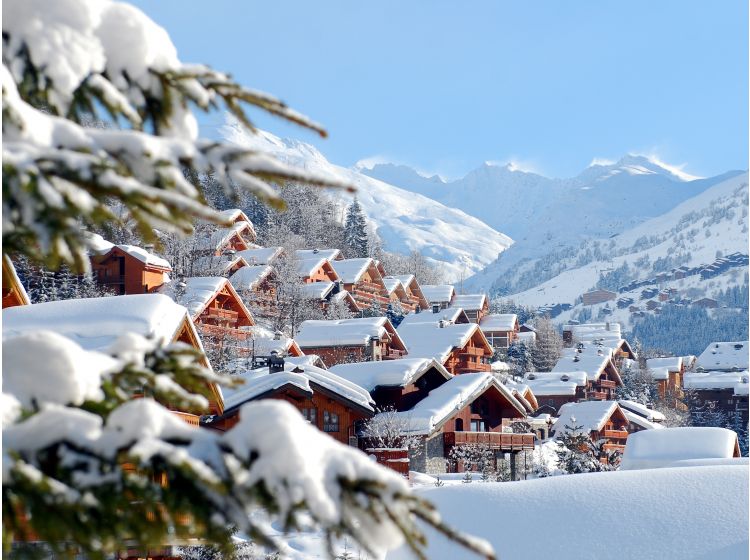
(405, 221)
(674, 513)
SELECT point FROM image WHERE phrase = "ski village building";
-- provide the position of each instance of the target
(501, 330)
(668, 374)
(362, 279)
(603, 421)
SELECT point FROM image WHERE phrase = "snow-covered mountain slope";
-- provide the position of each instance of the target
(711, 224)
(461, 244)
(549, 215)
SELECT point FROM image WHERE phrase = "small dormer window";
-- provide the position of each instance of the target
(738, 346)
(564, 378)
(531, 376)
(576, 359)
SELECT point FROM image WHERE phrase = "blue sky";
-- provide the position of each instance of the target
(444, 86)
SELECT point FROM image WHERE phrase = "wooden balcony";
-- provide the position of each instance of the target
(393, 354)
(615, 434)
(496, 440)
(464, 367)
(221, 314)
(192, 419)
(597, 395)
(471, 351)
(606, 384)
(610, 447)
(221, 332)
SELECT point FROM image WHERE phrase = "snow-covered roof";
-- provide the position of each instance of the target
(198, 292)
(528, 338)
(590, 358)
(318, 290)
(661, 367)
(264, 341)
(651, 449)
(592, 331)
(346, 332)
(309, 265)
(707, 380)
(262, 255)
(590, 415)
(235, 215)
(470, 302)
(498, 322)
(218, 265)
(388, 373)
(221, 236)
(101, 247)
(330, 254)
(519, 390)
(642, 410)
(444, 401)
(248, 277)
(95, 323)
(392, 284)
(405, 279)
(438, 293)
(639, 420)
(547, 383)
(351, 270)
(429, 340)
(724, 356)
(450, 314)
(259, 382)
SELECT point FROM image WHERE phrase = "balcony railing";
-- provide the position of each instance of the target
(471, 351)
(393, 354)
(495, 440)
(615, 434)
(463, 367)
(607, 384)
(222, 314)
(598, 395)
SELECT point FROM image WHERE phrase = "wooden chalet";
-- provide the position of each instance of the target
(257, 287)
(438, 296)
(215, 307)
(127, 269)
(413, 291)
(14, 293)
(239, 236)
(363, 281)
(598, 363)
(265, 342)
(668, 374)
(328, 293)
(332, 404)
(603, 421)
(501, 329)
(397, 294)
(351, 340)
(554, 389)
(476, 306)
(600, 334)
(598, 296)
(316, 269)
(395, 384)
(460, 348)
(261, 255)
(464, 410)
(640, 417)
(97, 323)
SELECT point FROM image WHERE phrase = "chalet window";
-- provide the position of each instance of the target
(330, 421)
(459, 425)
(479, 407)
(478, 426)
(311, 415)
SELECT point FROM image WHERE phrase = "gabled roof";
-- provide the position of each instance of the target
(388, 373)
(548, 383)
(264, 341)
(392, 285)
(235, 215)
(330, 254)
(95, 323)
(641, 410)
(523, 393)
(221, 236)
(102, 248)
(470, 302)
(438, 293)
(347, 332)
(429, 414)
(409, 281)
(199, 291)
(591, 358)
(454, 315)
(591, 331)
(428, 340)
(308, 379)
(498, 322)
(261, 255)
(590, 415)
(309, 265)
(639, 420)
(318, 290)
(249, 277)
(660, 368)
(707, 380)
(724, 356)
(351, 270)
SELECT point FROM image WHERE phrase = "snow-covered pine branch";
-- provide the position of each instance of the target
(58, 175)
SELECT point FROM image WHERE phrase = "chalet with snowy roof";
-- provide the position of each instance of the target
(397, 294)
(680, 447)
(667, 373)
(223, 265)
(265, 342)
(459, 348)
(454, 315)
(97, 324)
(414, 294)
(261, 255)
(706, 303)
(600, 334)
(332, 404)
(440, 295)
(351, 340)
(316, 269)
(724, 356)
(363, 281)
(399, 384)
(215, 307)
(239, 236)
(13, 291)
(598, 363)
(603, 421)
(328, 293)
(598, 296)
(330, 254)
(476, 306)
(641, 417)
(554, 389)
(501, 329)
(523, 394)
(127, 269)
(257, 287)
(467, 409)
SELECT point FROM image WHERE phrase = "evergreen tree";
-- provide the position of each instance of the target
(548, 346)
(575, 451)
(355, 231)
(519, 358)
(395, 313)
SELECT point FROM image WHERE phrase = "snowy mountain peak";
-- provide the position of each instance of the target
(634, 164)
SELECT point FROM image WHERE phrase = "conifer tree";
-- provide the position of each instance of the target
(355, 231)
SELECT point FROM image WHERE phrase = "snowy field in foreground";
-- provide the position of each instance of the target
(675, 513)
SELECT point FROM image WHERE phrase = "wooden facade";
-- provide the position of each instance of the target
(475, 355)
(404, 397)
(369, 289)
(14, 293)
(124, 274)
